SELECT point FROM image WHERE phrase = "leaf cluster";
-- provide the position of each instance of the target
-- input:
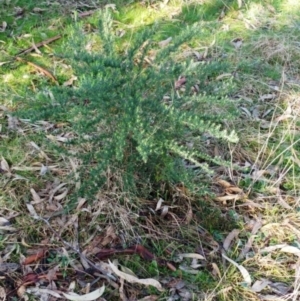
(128, 115)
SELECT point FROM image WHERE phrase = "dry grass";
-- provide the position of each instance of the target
(260, 203)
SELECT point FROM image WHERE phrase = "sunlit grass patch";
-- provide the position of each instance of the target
(257, 47)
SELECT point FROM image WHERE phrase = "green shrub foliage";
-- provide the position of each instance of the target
(127, 114)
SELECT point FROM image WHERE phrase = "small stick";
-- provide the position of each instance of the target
(87, 13)
(38, 45)
(39, 68)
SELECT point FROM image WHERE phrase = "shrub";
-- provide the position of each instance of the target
(128, 115)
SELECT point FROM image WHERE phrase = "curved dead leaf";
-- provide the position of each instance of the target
(35, 257)
(70, 81)
(4, 165)
(159, 203)
(132, 279)
(165, 42)
(32, 211)
(35, 196)
(291, 249)
(216, 270)
(232, 235)
(244, 272)
(62, 195)
(164, 211)
(87, 297)
(248, 245)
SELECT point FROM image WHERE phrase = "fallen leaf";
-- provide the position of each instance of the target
(4, 221)
(229, 238)
(224, 75)
(272, 248)
(188, 270)
(244, 272)
(3, 63)
(41, 152)
(232, 197)
(224, 183)
(111, 6)
(70, 81)
(191, 255)
(44, 170)
(127, 271)
(233, 189)
(180, 82)
(279, 288)
(132, 279)
(237, 43)
(4, 165)
(87, 297)
(29, 168)
(35, 257)
(143, 252)
(21, 291)
(165, 42)
(267, 96)
(271, 298)
(19, 11)
(13, 123)
(189, 216)
(38, 10)
(159, 203)
(3, 26)
(260, 285)
(106, 253)
(35, 196)
(31, 278)
(32, 211)
(42, 291)
(81, 202)
(2, 293)
(291, 249)
(171, 266)
(248, 245)
(164, 211)
(7, 228)
(122, 294)
(62, 195)
(216, 270)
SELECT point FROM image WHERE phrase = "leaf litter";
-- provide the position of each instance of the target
(45, 203)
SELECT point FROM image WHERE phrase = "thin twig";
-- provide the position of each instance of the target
(39, 68)
(38, 45)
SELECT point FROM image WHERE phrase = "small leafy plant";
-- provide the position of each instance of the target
(141, 110)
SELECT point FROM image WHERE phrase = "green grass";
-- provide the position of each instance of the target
(268, 57)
